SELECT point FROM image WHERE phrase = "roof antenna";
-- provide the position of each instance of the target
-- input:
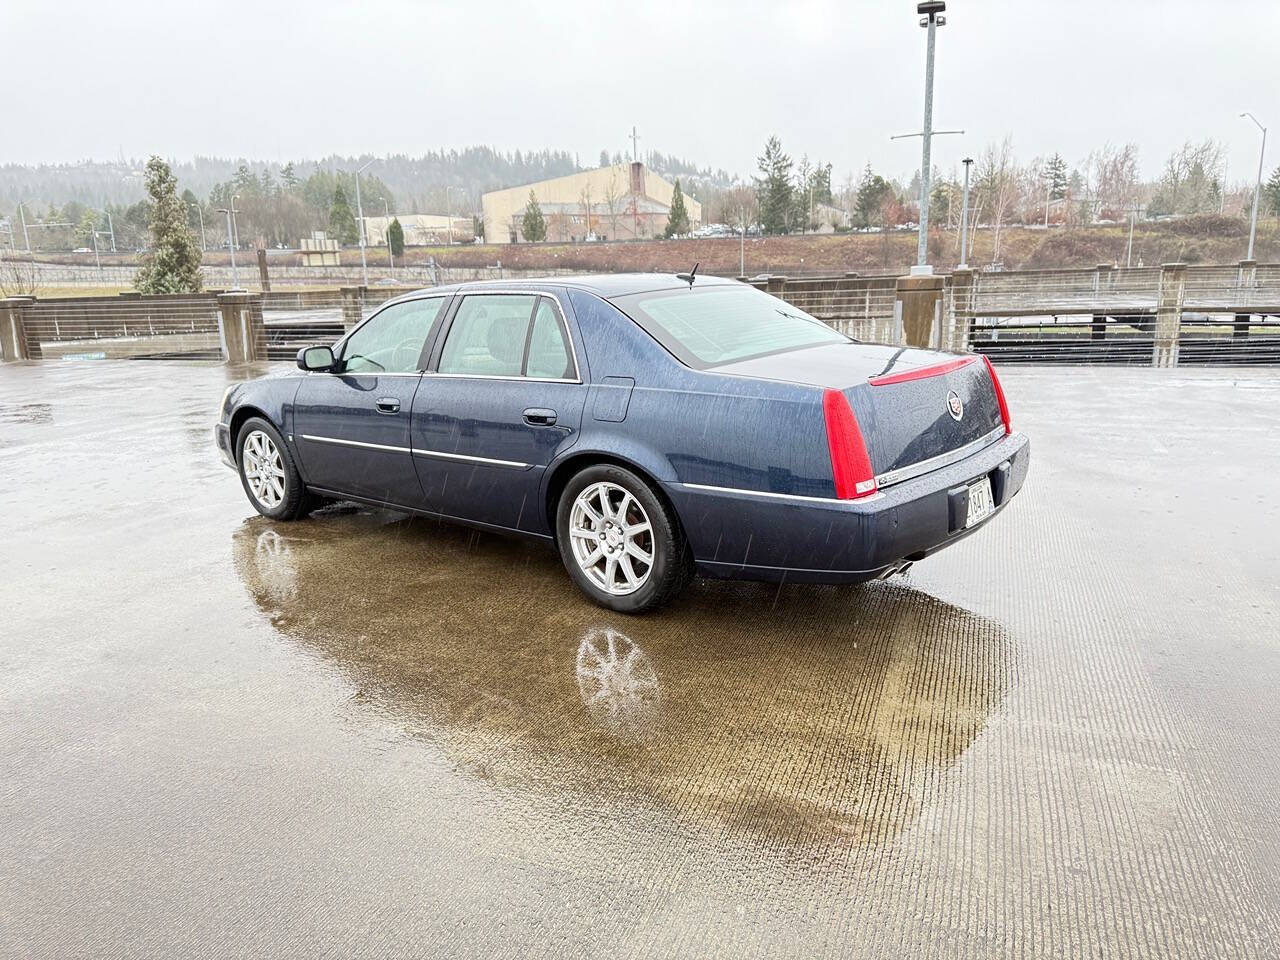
(690, 275)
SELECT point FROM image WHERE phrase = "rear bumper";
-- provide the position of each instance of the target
(749, 536)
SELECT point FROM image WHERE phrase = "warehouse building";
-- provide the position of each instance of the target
(623, 201)
(421, 229)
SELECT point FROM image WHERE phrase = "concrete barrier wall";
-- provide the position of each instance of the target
(1085, 315)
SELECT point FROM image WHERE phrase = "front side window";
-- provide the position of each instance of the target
(507, 335)
(716, 325)
(392, 341)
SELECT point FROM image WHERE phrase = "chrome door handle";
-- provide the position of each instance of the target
(540, 417)
(387, 405)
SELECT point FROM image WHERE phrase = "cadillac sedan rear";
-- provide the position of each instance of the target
(870, 457)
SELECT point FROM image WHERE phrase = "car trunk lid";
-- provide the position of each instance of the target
(901, 396)
(925, 410)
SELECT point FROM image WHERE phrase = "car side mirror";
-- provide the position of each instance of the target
(316, 358)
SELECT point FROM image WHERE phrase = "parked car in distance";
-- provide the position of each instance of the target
(650, 427)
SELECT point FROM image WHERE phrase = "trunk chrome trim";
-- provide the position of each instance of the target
(469, 459)
(356, 443)
(777, 496)
(922, 467)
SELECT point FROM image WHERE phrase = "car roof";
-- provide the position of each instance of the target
(605, 285)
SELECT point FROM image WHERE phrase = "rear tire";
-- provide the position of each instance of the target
(622, 545)
(267, 472)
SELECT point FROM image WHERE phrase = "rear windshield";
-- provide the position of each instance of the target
(715, 325)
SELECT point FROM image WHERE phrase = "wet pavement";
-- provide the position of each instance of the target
(363, 734)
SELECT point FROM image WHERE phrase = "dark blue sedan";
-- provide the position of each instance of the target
(649, 426)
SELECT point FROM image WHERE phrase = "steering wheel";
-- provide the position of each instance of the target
(406, 354)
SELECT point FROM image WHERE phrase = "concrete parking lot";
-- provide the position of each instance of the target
(363, 734)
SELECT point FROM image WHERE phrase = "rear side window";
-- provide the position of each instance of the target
(716, 325)
(508, 335)
(548, 353)
(487, 336)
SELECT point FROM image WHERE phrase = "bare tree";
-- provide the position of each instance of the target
(999, 185)
(584, 201)
(18, 278)
(1112, 183)
(613, 203)
(1192, 180)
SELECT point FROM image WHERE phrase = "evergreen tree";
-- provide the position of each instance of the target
(172, 265)
(1270, 202)
(873, 191)
(190, 204)
(773, 188)
(288, 177)
(1055, 172)
(533, 227)
(821, 183)
(395, 238)
(342, 222)
(678, 217)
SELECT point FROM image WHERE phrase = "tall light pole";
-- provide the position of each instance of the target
(1257, 190)
(448, 212)
(964, 217)
(203, 245)
(364, 263)
(1133, 218)
(235, 277)
(931, 19)
(386, 232)
(25, 239)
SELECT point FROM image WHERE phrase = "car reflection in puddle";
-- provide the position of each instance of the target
(618, 685)
(816, 716)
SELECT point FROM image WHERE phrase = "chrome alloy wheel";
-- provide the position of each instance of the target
(264, 469)
(612, 538)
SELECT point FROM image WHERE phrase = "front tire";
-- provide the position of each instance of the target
(267, 471)
(621, 544)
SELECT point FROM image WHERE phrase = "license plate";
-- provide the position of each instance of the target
(981, 504)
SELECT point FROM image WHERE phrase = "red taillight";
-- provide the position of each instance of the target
(850, 465)
(1004, 407)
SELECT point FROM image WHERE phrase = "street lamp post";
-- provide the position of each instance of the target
(1133, 219)
(1257, 190)
(25, 239)
(235, 277)
(742, 241)
(448, 212)
(364, 263)
(200, 213)
(930, 12)
(386, 232)
(964, 217)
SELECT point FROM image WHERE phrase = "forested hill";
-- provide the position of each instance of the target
(419, 183)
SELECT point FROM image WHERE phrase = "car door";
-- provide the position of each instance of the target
(351, 425)
(502, 396)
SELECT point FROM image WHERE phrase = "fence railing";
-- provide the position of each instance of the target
(1149, 315)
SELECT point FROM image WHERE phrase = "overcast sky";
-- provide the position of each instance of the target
(705, 80)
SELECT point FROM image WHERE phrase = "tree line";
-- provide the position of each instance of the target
(787, 197)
